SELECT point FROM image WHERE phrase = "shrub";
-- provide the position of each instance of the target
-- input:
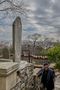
(57, 66)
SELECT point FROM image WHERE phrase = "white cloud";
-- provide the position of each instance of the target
(43, 18)
(2, 30)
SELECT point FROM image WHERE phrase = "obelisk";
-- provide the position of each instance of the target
(17, 35)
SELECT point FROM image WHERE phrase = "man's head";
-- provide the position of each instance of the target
(46, 66)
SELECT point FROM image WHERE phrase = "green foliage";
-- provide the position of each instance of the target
(57, 66)
(43, 52)
(5, 53)
(54, 53)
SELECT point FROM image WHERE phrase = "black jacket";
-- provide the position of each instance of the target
(47, 78)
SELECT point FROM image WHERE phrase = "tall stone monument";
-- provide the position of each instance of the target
(17, 35)
(25, 69)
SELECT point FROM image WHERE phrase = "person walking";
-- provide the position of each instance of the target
(47, 77)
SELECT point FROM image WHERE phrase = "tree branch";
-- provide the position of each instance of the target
(2, 2)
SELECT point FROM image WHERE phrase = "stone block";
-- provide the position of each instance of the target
(8, 75)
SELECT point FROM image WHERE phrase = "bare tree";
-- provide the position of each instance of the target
(34, 38)
(12, 7)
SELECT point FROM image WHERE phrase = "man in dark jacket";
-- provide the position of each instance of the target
(47, 78)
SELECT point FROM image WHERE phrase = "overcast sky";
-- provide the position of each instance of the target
(43, 18)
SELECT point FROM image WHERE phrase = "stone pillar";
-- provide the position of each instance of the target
(17, 34)
(7, 75)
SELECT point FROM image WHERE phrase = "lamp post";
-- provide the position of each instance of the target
(9, 49)
(29, 53)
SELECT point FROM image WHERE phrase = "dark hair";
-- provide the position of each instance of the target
(45, 64)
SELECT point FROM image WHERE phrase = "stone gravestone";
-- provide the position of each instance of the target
(17, 34)
(25, 69)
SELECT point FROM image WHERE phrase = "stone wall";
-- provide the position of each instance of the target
(26, 75)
